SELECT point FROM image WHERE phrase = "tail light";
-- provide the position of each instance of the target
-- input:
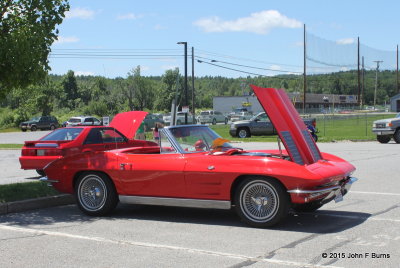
(28, 152)
(53, 152)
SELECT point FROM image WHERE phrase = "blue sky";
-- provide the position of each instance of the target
(110, 38)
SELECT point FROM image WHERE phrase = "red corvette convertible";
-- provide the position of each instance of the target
(193, 167)
(73, 140)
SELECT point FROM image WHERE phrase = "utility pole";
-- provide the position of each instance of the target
(193, 109)
(186, 80)
(358, 72)
(362, 84)
(397, 70)
(305, 72)
(376, 79)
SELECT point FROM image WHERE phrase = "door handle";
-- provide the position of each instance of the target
(122, 166)
(211, 168)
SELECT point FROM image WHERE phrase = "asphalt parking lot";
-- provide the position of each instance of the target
(361, 231)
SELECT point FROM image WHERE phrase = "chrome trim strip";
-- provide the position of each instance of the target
(45, 179)
(175, 202)
(347, 187)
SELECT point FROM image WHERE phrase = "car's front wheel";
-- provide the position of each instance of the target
(52, 127)
(226, 121)
(95, 194)
(33, 128)
(261, 202)
(396, 136)
(243, 133)
(214, 122)
(383, 138)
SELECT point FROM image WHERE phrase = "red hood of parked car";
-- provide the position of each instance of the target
(128, 123)
(290, 127)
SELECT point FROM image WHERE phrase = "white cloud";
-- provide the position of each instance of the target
(81, 13)
(159, 27)
(129, 16)
(345, 41)
(169, 67)
(64, 39)
(86, 73)
(275, 67)
(259, 23)
(144, 68)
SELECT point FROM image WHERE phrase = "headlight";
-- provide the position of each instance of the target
(374, 125)
(233, 126)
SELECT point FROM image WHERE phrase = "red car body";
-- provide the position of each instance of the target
(74, 140)
(262, 185)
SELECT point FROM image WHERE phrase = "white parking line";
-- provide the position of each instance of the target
(159, 246)
(377, 193)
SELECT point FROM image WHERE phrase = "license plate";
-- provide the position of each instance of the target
(40, 152)
(339, 196)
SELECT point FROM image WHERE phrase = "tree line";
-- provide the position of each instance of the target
(68, 95)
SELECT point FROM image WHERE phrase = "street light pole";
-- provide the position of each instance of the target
(186, 80)
(376, 79)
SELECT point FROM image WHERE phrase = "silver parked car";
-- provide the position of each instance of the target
(212, 117)
(83, 121)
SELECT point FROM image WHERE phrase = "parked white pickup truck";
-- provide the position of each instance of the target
(386, 129)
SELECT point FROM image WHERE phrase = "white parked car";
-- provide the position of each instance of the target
(83, 121)
(180, 118)
(212, 117)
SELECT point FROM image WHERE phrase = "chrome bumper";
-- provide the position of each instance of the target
(324, 195)
(45, 179)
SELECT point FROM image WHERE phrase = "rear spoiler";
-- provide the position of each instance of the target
(290, 127)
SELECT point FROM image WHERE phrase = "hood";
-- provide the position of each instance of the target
(290, 127)
(385, 120)
(30, 122)
(128, 123)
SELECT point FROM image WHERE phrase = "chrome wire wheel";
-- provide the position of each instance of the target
(259, 201)
(92, 193)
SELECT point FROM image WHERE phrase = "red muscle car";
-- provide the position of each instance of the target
(74, 140)
(193, 167)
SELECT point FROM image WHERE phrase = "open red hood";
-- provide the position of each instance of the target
(290, 127)
(128, 123)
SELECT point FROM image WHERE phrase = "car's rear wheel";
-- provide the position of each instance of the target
(226, 121)
(33, 128)
(307, 207)
(23, 130)
(95, 194)
(214, 122)
(396, 136)
(52, 127)
(383, 138)
(243, 133)
(261, 202)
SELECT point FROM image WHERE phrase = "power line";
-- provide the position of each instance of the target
(247, 66)
(241, 71)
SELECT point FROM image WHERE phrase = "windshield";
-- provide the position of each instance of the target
(199, 139)
(204, 113)
(398, 115)
(63, 134)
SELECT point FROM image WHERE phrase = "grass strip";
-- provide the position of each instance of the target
(11, 146)
(26, 190)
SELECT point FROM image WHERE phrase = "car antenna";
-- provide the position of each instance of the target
(280, 148)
